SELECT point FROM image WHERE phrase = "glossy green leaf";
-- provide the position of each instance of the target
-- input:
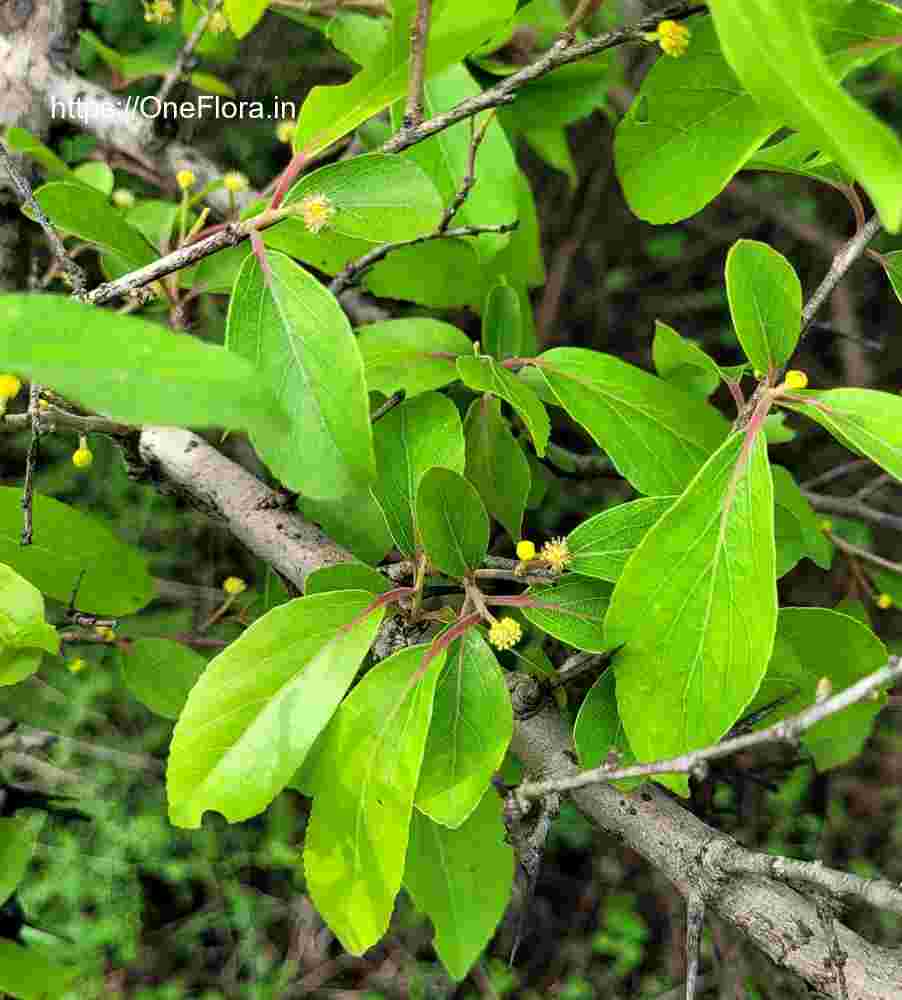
(864, 420)
(812, 643)
(452, 522)
(19, 140)
(573, 610)
(345, 576)
(32, 974)
(221, 46)
(562, 97)
(553, 146)
(765, 303)
(472, 723)
(485, 375)
(96, 175)
(696, 606)
(156, 220)
(332, 112)
(356, 522)
(442, 274)
(88, 214)
(294, 330)
(598, 730)
(114, 579)
(773, 49)
(377, 198)
(421, 433)
(160, 673)
(24, 634)
(789, 500)
(892, 265)
(18, 839)
(657, 436)
(462, 880)
(256, 710)
(799, 155)
(410, 354)
(243, 15)
(130, 369)
(502, 323)
(358, 833)
(683, 363)
(496, 464)
(602, 544)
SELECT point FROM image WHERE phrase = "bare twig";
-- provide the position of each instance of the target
(31, 462)
(187, 50)
(23, 188)
(785, 731)
(584, 10)
(842, 261)
(850, 507)
(864, 554)
(419, 42)
(52, 418)
(576, 464)
(695, 923)
(837, 472)
(352, 273)
(463, 192)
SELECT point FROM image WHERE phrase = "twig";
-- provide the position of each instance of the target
(695, 923)
(52, 417)
(31, 462)
(576, 464)
(838, 957)
(577, 665)
(75, 273)
(837, 472)
(509, 567)
(584, 10)
(463, 192)
(785, 731)
(865, 554)
(352, 272)
(850, 507)
(419, 42)
(842, 261)
(394, 400)
(187, 50)
(875, 485)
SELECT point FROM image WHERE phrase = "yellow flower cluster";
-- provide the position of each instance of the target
(185, 180)
(159, 11)
(234, 585)
(673, 37)
(884, 601)
(316, 211)
(795, 379)
(505, 633)
(218, 23)
(83, 457)
(557, 554)
(10, 386)
(235, 181)
(285, 131)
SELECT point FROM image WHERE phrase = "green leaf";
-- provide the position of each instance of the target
(496, 464)
(461, 879)
(452, 522)
(409, 354)
(683, 363)
(243, 15)
(130, 369)
(88, 214)
(441, 274)
(773, 49)
(765, 302)
(70, 547)
(472, 723)
(812, 643)
(602, 544)
(345, 576)
(421, 433)
(892, 264)
(553, 146)
(256, 710)
(19, 140)
(864, 420)
(96, 175)
(599, 729)
(356, 522)
(377, 198)
(485, 375)
(30, 974)
(357, 837)
(287, 323)
(155, 220)
(799, 155)
(24, 635)
(221, 46)
(329, 113)
(696, 606)
(573, 610)
(160, 673)
(502, 323)
(886, 582)
(792, 504)
(657, 436)
(562, 97)
(18, 840)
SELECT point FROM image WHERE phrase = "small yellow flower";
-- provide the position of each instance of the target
(525, 550)
(673, 38)
(795, 379)
(10, 386)
(884, 601)
(83, 457)
(185, 179)
(316, 211)
(824, 689)
(235, 181)
(76, 665)
(285, 131)
(122, 198)
(505, 633)
(234, 585)
(557, 554)
(826, 525)
(218, 23)
(158, 11)
(105, 632)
